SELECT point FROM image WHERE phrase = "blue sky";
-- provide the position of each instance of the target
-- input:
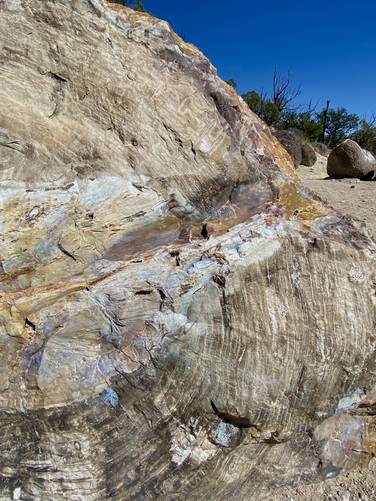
(329, 46)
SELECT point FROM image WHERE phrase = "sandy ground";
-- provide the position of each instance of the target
(353, 486)
(350, 196)
(358, 200)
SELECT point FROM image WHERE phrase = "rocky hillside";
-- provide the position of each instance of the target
(179, 318)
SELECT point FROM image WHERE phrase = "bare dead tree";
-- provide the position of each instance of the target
(284, 92)
(263, 95)
(325, 121)
(312, 108)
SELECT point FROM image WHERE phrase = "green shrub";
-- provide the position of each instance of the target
(264, 108)
(340, 125)
(305, 121)
(365, 136)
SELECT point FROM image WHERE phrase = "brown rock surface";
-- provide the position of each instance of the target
(179, 319)
(309, 156)
(292, 140)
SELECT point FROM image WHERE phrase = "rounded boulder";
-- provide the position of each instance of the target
(348, 159)
(309, 156)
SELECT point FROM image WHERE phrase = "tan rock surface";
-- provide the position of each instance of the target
(179, 319)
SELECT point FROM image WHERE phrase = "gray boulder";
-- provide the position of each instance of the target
(309, 156)
(349, 160)
(322, 148)
(292, 140)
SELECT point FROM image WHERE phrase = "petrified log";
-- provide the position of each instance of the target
(178, 318)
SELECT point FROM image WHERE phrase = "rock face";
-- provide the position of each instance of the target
(178, 318)
(349, 160)
(309, 156)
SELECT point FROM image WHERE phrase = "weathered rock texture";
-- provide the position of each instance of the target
(309, 156)
(178, 319)
(348, 159)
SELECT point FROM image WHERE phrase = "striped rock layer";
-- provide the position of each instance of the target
(179, 319)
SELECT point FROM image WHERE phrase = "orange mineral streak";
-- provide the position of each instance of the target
(6, 277)
(297, 206)
(65, 286)
(282, 158)
(62, 286)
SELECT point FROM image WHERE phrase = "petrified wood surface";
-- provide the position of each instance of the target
(178, 318)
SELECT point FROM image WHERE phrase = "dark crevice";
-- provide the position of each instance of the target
(219, 280)
(366, 409)
(64, 251)
(313, 242)
(57, 77)
(30, 324)
(230, 197)
(173, 135)
(52, 188)
(152, 360)
(143, 293)
(176, 255)
(204, 231)
(162, 294)
(238, 421)
(138, 187)
(369, 176)
(13, 145)
(193, 149)
(39, 469)
(299, 392)
(58, 93)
